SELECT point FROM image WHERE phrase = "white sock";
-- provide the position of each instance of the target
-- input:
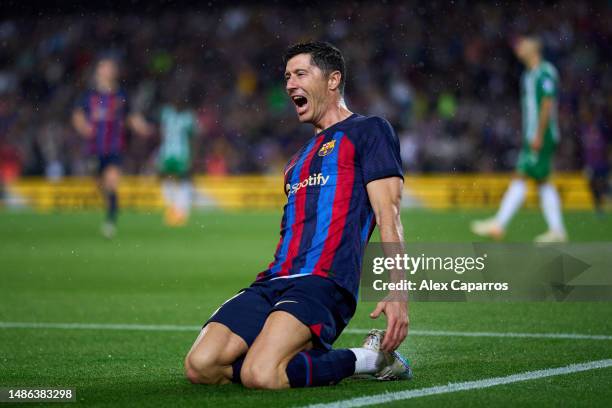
(551, 207)
(169, 192)
(183, 199)
(366, 360)
(512, 201)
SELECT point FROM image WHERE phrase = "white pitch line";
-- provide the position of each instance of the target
(170, 327)
(443, 333)
(464, 386)
(97, 326)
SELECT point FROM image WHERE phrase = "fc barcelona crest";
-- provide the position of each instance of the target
(327, 148)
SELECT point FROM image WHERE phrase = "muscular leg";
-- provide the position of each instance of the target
(281, 357)
(274, 349)
(211, 357)
(282, 337)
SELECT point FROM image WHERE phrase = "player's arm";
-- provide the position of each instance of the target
(543, 119)
(385, 196)
(81, 124)
(139, 124)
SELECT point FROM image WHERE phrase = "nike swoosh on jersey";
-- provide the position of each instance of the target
(290, 167)
(285, 301)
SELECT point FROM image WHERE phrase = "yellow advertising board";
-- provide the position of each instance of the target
(438, 191)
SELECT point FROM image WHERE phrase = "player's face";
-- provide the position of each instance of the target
(106, 71)
(307, 88)
(524, 49)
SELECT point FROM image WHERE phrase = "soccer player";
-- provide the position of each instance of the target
(539, 92)
(101, 116)
(178, 125)
(346, 179)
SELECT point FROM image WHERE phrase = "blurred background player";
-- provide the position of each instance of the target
(596, 151)
(178, 126)
(539, 88)
(100, 116)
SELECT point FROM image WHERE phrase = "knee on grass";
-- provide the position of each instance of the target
(203, 369)
(263, 376)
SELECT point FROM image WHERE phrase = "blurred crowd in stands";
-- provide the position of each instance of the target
(442, 73)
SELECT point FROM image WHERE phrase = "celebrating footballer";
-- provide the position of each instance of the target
(344, 181)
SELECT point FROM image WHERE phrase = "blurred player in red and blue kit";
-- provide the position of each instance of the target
(101, 116)
(344, 181)
(595, 138)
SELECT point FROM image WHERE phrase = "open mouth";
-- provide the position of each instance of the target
(300, 102)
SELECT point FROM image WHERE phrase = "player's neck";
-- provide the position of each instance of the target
(534, 62)
(336, 113)
(106, 87)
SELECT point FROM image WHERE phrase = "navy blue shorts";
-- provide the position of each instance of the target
(106, 160)
(317, 302)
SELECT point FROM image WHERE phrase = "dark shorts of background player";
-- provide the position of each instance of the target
(106, 160)
(174, 168)
(319, 303)
(179, 176)
(598, 172)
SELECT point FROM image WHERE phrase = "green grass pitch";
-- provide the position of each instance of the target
(56, 268)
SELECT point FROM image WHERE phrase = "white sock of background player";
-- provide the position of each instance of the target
(183, 199)
(169, 192)
(551, 207)
(513, 200)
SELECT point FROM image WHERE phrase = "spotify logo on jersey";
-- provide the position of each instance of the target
(317, 179)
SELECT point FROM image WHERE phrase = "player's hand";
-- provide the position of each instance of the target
(397, 322)
(86, 130)
(139, 124)
(148, 131)
(90, 131)
(143, 128)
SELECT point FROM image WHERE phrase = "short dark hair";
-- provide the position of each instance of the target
(324, 55)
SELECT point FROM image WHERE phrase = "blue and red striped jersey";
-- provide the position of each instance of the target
(328, 218)
(107, 114)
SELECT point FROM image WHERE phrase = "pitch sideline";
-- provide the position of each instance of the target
(464, 386)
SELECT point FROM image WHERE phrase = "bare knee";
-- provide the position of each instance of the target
(203, 368)
(263, 376)
(110, 178)
(212, 354)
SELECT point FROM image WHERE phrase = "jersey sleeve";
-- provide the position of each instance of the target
(548, 86)
(379, 152)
